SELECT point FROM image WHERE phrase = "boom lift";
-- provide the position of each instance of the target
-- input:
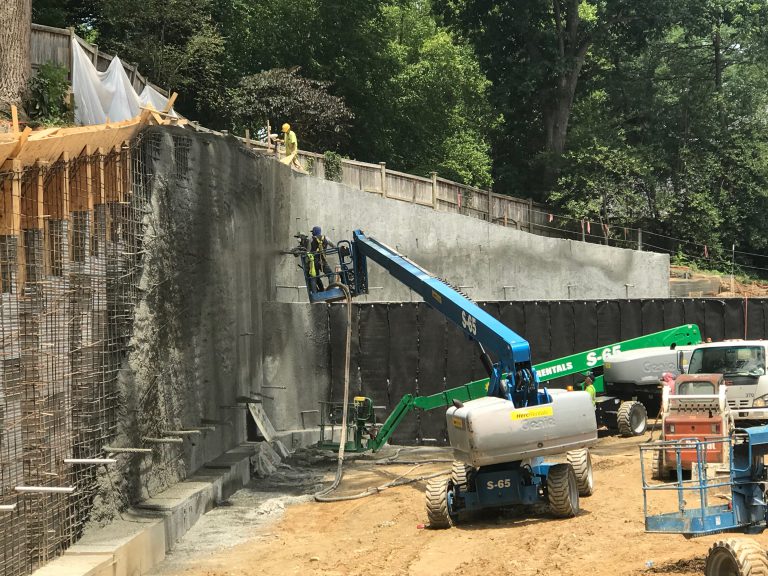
(614, 412)
(499, 440)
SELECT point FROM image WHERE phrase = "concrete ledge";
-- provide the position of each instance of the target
(85, 565)
(135, 544)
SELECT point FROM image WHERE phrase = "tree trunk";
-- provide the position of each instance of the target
(15, 31)
(572, 50)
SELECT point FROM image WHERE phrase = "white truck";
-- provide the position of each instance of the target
(742, 364)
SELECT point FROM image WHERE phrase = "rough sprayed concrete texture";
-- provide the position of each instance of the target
(482, 258)
(197, 341)
(204, 334)
(296, 354)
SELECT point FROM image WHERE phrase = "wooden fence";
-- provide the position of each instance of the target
(53, 45)
(436, 193)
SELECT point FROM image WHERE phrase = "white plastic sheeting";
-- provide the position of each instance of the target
(108, 94)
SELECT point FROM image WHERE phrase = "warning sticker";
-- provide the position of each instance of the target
(534, 412)
(458, 423)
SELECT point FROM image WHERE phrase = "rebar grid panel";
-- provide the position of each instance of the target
(70, 259)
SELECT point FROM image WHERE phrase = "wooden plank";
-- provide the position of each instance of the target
(21, 254)
(15, 118)
(6, 188)
(171, 102)
(260, 417)
(21, 142)
(118, 174)
(100, 189)
(40, 198)
(65, 187)
(89, 187)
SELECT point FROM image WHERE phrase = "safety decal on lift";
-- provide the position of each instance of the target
(534, 412)
(458, 423)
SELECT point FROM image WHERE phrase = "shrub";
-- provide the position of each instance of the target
(333, 169)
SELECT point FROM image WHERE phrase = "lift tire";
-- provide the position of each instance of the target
(736, 557)
(581, 462)
(631, 419)
(562, 491)
(437, 504)
(462, 474)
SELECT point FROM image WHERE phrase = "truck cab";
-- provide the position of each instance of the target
(743, 366)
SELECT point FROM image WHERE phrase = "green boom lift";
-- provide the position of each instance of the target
(365, 435)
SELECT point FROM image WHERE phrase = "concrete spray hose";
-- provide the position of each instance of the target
(322, 496)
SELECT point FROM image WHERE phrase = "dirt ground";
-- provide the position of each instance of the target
(384, 534)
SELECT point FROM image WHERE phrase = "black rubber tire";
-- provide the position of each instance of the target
(632, 419)
(581, 462)
(437, 503)
(461, 474)
(736, 557)
(562, 491)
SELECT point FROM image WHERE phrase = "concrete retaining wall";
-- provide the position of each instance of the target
(488, 261)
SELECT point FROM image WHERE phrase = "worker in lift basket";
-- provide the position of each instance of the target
(317, 260)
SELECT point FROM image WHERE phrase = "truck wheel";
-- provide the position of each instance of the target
(736, 557)
(581, 462)
(631, 418)
(462, 474)
(657, 466)
(562, 491)
(437, 503)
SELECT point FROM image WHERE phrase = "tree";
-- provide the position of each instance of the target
(16, 16)
(177, 44)
(534, 52)
(320, 119)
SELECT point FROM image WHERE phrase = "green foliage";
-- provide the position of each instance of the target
(45, 100)
(650, 114)
(333, 166)
(319, 119)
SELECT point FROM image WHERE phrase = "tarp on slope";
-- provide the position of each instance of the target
(108, 94)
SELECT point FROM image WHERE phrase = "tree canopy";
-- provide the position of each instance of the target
(630, 113)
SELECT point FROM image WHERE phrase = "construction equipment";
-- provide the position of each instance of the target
(695, 409)
(743, 365)
(498, 440)
(708, 504)
(367, 434)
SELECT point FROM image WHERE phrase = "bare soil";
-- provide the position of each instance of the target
(384, 534)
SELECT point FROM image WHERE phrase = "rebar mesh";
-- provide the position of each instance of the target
(70, 260)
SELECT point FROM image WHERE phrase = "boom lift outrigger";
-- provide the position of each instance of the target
(499, 440)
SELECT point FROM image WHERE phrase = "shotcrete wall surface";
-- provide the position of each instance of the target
(487, 261)
(205, 316)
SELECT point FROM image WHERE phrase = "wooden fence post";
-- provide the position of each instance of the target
(434, 190)
(383, 166)
(530, 215)
(71, 59)
(247, 138)
(490, 208)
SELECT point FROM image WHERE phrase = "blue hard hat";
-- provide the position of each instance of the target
(316, 231)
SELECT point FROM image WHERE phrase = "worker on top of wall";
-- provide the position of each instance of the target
(291, 144)
(317, 260)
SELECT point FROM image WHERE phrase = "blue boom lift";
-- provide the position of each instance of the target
(498, 440)
(708, 504)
